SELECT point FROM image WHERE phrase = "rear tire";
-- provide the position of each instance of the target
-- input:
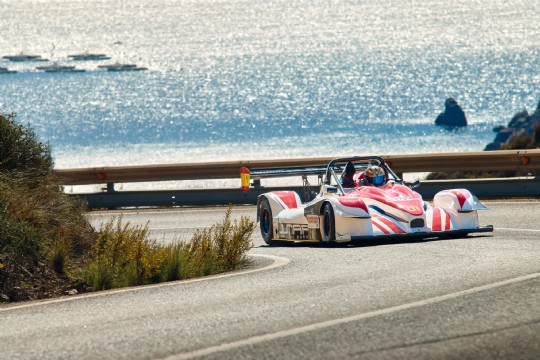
(328, 229)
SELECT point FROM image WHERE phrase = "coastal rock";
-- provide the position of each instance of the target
(453, 116)
(519, 119)
(503, 135)
(522, 131)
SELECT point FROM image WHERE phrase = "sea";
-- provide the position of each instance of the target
(266, 79)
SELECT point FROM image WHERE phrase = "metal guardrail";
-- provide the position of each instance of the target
(519, 160)
(483, 188)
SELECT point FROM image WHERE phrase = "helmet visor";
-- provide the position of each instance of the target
(378, 180)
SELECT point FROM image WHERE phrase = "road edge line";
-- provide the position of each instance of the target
(278, 261)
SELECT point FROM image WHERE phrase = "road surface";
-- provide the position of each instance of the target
(471, 298)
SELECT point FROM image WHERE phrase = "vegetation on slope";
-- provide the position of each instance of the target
(48, 248)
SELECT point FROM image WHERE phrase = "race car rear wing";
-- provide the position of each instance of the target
(247, 175)
(281, 172)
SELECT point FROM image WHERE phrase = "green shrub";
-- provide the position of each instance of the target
(174, 264)
(100, 276)
(222, 247)
(20, 150)
(124, 255)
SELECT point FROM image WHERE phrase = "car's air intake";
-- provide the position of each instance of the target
(417, 223)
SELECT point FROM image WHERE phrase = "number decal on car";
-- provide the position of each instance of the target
(414, 209)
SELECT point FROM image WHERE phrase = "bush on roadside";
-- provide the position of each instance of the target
(123, 255)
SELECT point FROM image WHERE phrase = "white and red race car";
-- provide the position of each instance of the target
(339, 214)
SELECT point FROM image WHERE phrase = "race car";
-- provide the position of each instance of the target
(358, 209)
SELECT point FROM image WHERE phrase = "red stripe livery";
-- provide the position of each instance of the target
(437, 220)
(288, 198)
(383, 223)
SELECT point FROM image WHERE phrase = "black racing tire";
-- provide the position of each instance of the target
(328, 229)
(267, 226)
(265, 221)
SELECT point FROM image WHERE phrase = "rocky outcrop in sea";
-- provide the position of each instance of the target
(522, 132)
(453, 116)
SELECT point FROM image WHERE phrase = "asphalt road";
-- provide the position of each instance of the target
(471, 298)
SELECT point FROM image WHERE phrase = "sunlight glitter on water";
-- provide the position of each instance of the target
(234, 79)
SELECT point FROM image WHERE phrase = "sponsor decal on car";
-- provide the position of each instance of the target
(313, 221)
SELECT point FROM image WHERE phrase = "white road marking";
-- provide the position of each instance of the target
(166, 211)
(179, 228)
(512, 229)
(325, 324)
(277, 262)
(518, 202)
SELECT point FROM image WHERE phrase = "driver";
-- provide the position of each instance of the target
(374, 176)
(347, 177)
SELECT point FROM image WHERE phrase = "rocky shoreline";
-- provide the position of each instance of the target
(522, 132)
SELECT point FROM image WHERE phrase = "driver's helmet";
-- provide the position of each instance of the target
(374, 175)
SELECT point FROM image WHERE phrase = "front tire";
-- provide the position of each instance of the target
(328, 229)
(266, 221)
